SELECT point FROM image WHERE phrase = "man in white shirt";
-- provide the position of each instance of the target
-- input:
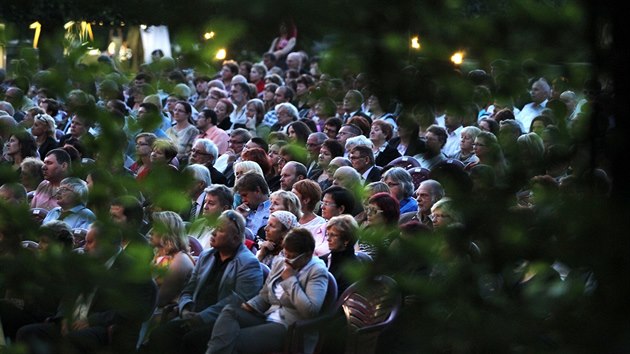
(540, 93)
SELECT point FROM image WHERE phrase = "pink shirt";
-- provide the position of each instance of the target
(44, 196)
(218, 136)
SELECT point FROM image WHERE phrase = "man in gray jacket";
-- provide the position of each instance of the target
(228, 273)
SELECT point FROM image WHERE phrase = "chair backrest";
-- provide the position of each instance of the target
(405, 162)
(369, 306)
(331, 294)
(418, 175)
(39, 214)
(78, 236)
(363, 257)
(265, 270)
(30, 245)
(195, 246)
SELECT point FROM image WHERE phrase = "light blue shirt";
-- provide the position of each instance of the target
(78, 217)
(258, 218)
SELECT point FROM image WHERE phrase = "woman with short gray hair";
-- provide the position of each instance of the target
(401, 187)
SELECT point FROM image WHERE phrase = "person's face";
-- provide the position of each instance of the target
(288, 177)
(143, 148)
(212, 206)
(274, 230)
(13, 146)
(198, 154)
(279, 96)
(377, 134)
(274, 154)
(251, 198)
(433, 142)
(301, 89)
(269, 95)
(117, 213)
(211, 101)
(251, 111)
(292, 134)
(180, 114)
(237, 97)
(141, 112)
(277, 203)
(350, 102)
(221, 110)
(238, 172)
(236, 143)
(484, 126)
(283, 161)
(201, 86)
(335, 242)
(330, 208)
(157, 155)
(344, 134)
(324, 157)
(440, 218)
(53, 170)
(91, 243)
(248, 146)
(480, 147)
(395, 189)
(537, 127)
(313, 146)
(330, 131)
(170, 103)
(452, 121)
(254, 76)
(424, 199)
(224, 234)
(466, 142)
(299, 259)
(77, 127)
(284, 117)
(202, 122)
(303, 201)
(538, 93)
(65, 197)
(226, 73)
(374, 215)
(360, 163)
(373, 103)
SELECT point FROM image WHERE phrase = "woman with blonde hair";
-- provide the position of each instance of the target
(172, 259)
(287, 201)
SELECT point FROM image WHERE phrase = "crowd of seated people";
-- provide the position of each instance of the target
(260, 171)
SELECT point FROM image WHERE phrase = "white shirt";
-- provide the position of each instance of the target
(528, 113)
(451, 148)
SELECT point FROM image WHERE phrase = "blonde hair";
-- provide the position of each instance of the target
(172, 232)
(290, 201)
(248, 166)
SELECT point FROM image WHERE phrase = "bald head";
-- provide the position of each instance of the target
(347, 177)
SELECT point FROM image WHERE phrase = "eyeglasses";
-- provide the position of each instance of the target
(234, 142)
(355, 157)
(231, 215)
(198, 152)
(392, 184)
(332, 204)
(371, 210)
(478, 144)
(143, 144)
(434, 217)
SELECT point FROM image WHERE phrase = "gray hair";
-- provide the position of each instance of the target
(359, 140)
(200, 173)
(400, 175)
(471, 130)
(7, 107)
(437, 191)
(209, 146)
(321, 137)
(78, 187)
(291, 109)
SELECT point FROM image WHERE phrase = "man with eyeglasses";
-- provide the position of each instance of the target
(224, 164)
(71, 197)
(227, 273)
(362, 159)
(428, 193)
(313, 145)
(205, 152)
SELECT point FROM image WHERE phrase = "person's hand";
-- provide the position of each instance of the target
(231, 155)
(243, 209)
(247, 307)
(288, 271)
(192, 321)
(80, 324)
(267, 246)
(187, 314)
